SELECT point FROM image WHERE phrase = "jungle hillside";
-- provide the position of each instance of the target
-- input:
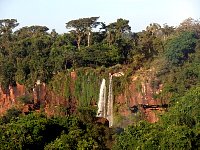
(72, 65)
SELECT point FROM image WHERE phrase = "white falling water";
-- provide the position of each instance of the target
(105, 107)
(102, 100)
(110, 103)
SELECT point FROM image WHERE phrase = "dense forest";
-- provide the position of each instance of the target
(93, 49)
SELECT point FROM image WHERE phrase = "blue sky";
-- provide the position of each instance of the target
(55, 13)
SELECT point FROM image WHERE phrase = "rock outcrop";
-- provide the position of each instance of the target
(40, 99)
(138, 96)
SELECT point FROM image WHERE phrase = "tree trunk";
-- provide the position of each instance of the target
(89, 38)
(79, 41)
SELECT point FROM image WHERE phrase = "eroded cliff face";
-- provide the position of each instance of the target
(141, 95)
(41, 99)
(52, 103)
(138, 96)
(8, 98)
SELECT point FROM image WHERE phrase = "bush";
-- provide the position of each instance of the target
(25, 99)
(12, 113)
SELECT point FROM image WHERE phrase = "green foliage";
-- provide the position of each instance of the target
(81, 27)
(25, 133)
(36, 131)
(178, 48)
(11, 114)
(61, 84)
(8, 70)
(31, 53)
(87, 87)
(25, 99)
(180, 78)
(7, 25)
(98, 55)
(177, 137)
(141, 136)
(120, 84)
(87, 114)
(185, 111)
(155, 136)
(177, 128)
(77, 139)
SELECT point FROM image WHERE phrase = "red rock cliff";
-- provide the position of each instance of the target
(140, 94)
(42, 99)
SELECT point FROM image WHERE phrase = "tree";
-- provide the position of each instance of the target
(122, 27)
(32, 31)
(7, 25)
(30, 51)
(54, 34)
(6, 37)
(81, 27)
(178, 48)
(153, 28)
(167, 31)
(142, 135)
(177, 137)
(189, 25)
(117, 29)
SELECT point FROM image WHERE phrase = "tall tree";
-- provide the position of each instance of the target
(7, 25)
(122, 26)
(32, 31)
(167, 31)
(153, 28)
(81, 27)
(6, 30)
(190, 25)
(178, 48)
(110, 30)
(116, 30)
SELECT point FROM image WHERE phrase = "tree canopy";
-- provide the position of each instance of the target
(34, 53)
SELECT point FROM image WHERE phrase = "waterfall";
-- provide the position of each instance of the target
(102, 100)
(105, 107)
(110, 102)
